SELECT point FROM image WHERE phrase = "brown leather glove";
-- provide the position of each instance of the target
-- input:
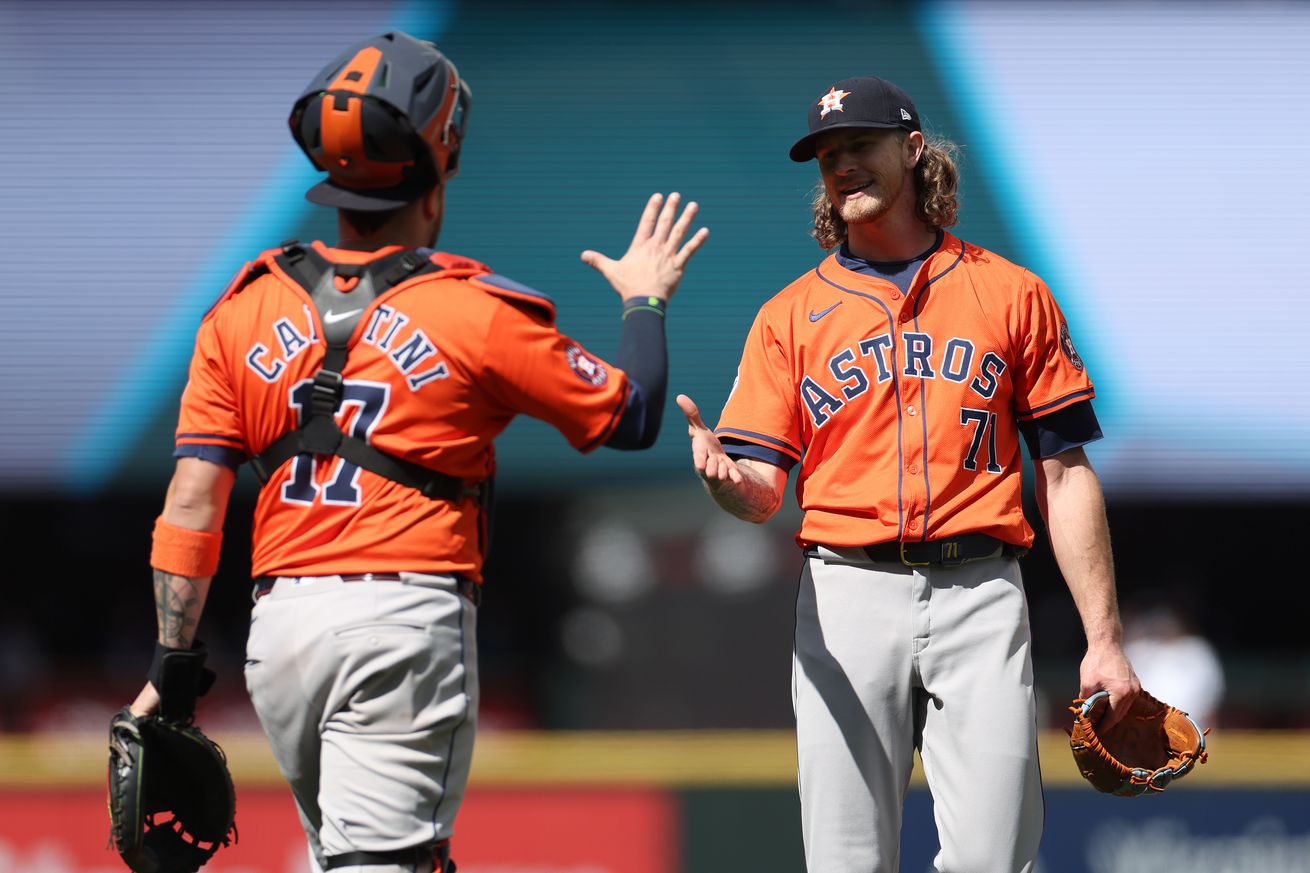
(1150, 747)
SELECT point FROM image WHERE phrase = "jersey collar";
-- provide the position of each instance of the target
(353, 256)
(942, 261)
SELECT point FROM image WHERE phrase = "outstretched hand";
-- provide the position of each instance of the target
(707, 455)
(656, 258)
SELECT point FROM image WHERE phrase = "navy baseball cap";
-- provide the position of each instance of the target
(865, 101)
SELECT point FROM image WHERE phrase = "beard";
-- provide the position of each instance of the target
(863, 210)
(876, 201)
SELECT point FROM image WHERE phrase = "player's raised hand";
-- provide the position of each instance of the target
(707, 455)
(657, 256)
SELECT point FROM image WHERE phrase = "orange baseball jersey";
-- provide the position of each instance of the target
(903, 409)
(438, 366)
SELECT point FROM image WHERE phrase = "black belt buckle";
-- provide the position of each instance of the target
(905, 559)
(948, 553)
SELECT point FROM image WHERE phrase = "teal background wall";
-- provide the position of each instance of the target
(1123, 151)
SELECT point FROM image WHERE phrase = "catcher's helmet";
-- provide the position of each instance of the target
(385, 121)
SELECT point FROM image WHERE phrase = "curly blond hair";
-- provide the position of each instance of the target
(935, 182)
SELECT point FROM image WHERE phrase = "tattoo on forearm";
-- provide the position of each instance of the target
(177, 606)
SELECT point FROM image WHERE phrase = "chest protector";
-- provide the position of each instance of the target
(340, 288)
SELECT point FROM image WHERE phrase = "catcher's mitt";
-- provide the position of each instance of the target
(1150, 747)
(158, 766)
(165, 764)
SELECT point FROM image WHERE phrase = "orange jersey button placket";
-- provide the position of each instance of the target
(914, 492)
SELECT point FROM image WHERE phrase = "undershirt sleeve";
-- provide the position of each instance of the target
(642, 354)
(1067, 428)
(227, 457)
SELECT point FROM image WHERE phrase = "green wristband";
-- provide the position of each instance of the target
(644, 304)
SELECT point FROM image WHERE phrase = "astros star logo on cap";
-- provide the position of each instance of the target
(832, 100)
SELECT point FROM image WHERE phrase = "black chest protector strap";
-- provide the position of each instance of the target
(319, 433)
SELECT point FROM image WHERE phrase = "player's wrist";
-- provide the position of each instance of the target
(1103, 635)
(645, 303)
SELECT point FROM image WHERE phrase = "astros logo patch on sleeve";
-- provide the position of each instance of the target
(1066, 346)
(589, 369)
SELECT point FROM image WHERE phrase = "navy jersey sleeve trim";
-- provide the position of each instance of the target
(212, 436)
(614, 419)
(1038, 410)
(751, 436)
(738, 449)
(1069, 428)
(221, 455)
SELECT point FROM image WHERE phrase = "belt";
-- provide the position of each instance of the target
(947, 553)
(467, 588)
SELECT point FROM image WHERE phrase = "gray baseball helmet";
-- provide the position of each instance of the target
(385, 120)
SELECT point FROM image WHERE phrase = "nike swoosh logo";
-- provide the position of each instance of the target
(815, 316)
(331, 317)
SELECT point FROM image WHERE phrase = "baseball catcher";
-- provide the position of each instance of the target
(1150, 747)
(171, 801)
(369, 690)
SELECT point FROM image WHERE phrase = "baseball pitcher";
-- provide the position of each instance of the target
(899, 376)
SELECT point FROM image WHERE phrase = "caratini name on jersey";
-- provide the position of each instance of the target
(290, 339)
(407, 351)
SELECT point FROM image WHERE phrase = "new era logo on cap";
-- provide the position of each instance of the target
(864, 101)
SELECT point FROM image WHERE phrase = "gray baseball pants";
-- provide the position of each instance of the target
(887, 659)
(368, 692)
